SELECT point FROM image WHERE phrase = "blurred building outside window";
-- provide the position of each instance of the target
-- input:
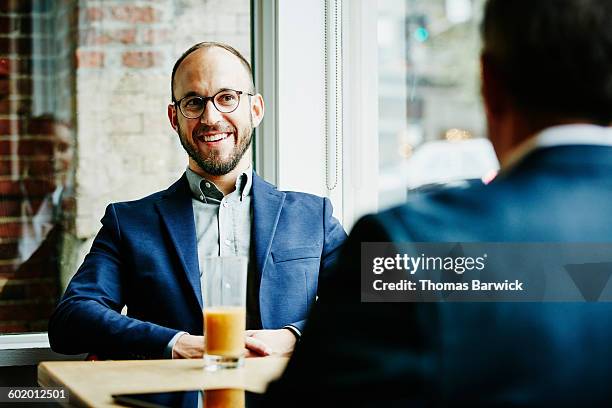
(431, 124)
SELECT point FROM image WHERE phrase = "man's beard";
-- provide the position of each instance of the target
(211, 163)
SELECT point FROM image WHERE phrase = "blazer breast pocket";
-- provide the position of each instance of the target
(293, 254)
(297, 271)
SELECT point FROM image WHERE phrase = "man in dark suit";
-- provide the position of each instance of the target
(547, 88)
(148, 254)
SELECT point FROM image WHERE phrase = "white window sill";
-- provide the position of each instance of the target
(29, 349)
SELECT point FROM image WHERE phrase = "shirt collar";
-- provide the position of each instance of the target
(564, 135)
(203, 189)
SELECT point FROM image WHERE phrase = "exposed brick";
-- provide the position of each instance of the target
(20, 327)
(28, 147)
(20, 107)
(5, 67)
(6, 168)
(19, 65)
(34, 310)
(8, 126)
(13, 292)
(15, 6)
(31, 166)
(29, 270)
(29, 188)
(21, 86)
(32, 126)
(20, 45)
(41, 126)
(94, 14)
(11, 229)
(90, 59)
(22, 25)
(41, 167)
(135, 14)
(8, 271)
(29, 290)
(154, 36)
(6, 107)
(6, 147)
(12, 207)
(140, 59)
(9, 250)
(42, 290)
(69, 205)
(96, 37)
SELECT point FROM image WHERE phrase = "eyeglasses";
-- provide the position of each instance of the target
(225, 101)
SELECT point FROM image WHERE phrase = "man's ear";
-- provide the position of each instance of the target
(494, 87)
(257, 109)
(172, 116)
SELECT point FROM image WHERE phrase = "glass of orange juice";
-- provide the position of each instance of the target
(224, 398)
(224, 280)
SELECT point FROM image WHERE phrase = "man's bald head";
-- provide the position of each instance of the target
(211, 44)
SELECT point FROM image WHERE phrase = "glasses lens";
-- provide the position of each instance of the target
(227, 101)
(192, 107)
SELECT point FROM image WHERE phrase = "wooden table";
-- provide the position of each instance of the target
(91, 383)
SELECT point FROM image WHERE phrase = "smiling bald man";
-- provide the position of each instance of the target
(147, 254)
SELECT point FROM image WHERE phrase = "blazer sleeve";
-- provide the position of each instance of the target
(88, 318)
(333, 238)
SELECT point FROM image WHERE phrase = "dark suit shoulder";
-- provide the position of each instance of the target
(438, 215)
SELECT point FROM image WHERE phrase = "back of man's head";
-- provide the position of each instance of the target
(555, 55)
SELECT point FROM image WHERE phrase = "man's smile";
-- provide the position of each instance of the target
(213, 137)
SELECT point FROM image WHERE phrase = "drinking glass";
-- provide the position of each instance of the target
(224, 281)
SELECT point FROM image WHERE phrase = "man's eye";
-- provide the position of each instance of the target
(193, 103)
(227, 98)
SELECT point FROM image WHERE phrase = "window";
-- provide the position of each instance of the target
(400, 110)
(431, 124)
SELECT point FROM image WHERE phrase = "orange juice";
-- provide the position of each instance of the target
(225, 398)
(224, 328)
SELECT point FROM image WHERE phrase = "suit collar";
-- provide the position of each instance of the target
(558, 136)
(176, 212)
(203, 189)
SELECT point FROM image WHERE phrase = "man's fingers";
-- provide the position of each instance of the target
(257, 346)
(249, 333)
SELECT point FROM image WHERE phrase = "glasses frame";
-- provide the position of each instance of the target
(177, 104)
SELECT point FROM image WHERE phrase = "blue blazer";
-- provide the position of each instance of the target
(145, 257)
(468, 354)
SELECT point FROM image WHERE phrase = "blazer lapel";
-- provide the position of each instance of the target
(176, 212)
(267, 204)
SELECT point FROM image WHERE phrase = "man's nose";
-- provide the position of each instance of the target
(211, 115)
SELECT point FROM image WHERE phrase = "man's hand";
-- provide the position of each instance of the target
(269, 342)
(258, 343)
(188, 346)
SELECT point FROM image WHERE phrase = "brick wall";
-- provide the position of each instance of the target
(36, 157)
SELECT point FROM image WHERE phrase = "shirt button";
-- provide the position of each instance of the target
(207, 185)
(228, 242)
(201, 197)
(225, 204)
